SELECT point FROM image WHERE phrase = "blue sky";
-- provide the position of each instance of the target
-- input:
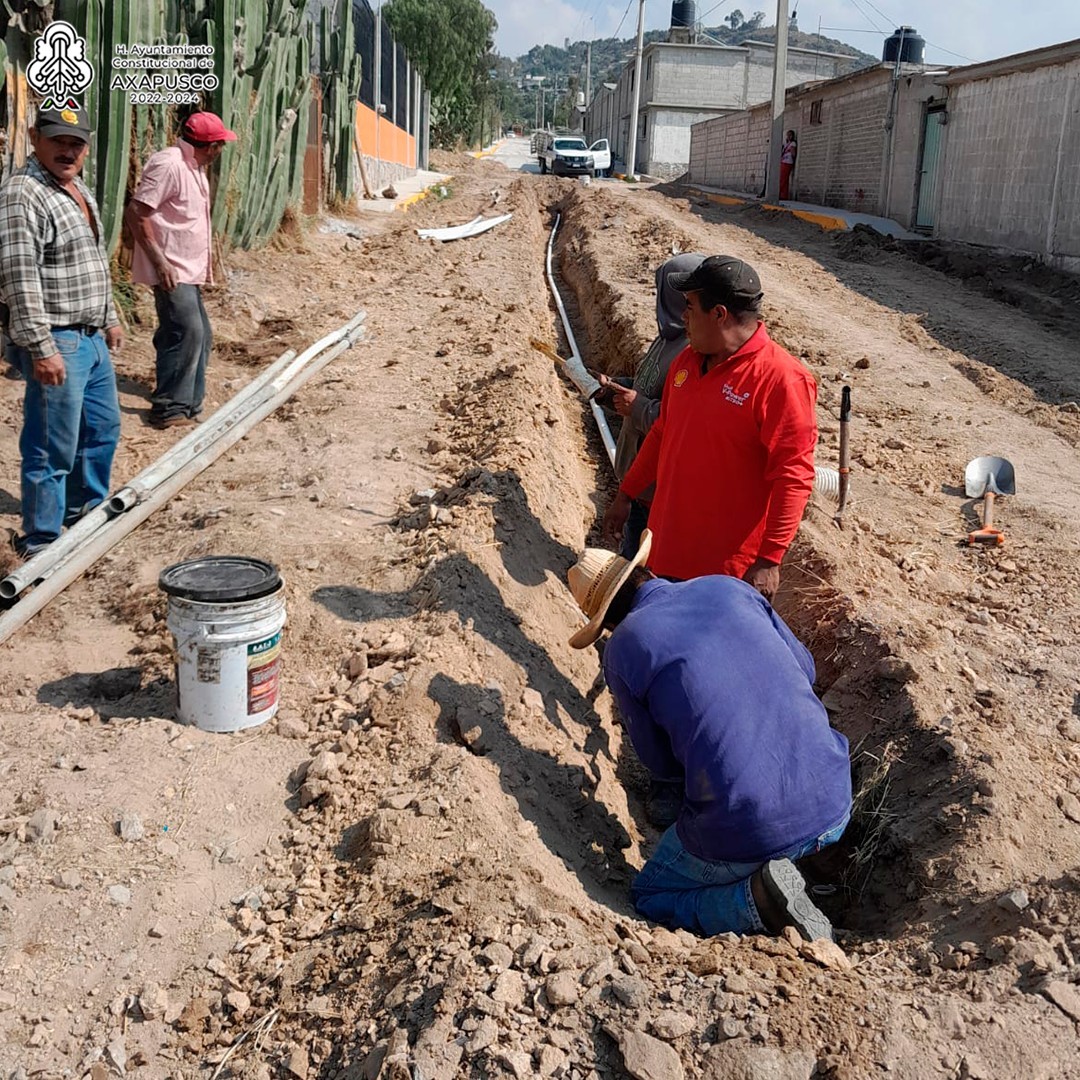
(975, 29)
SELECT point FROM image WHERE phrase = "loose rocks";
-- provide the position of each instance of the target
(41, 826)
(561, 989)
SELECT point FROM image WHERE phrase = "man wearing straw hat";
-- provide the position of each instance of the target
(714, 688)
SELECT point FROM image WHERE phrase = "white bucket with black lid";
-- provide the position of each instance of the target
(226, 613)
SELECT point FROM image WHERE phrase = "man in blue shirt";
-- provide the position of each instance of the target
(714, 688)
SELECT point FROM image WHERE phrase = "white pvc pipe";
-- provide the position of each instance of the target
(42, 563)
(269, 382)
(575, 366)
(77, 561)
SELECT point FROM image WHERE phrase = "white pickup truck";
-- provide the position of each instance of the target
(564, 155)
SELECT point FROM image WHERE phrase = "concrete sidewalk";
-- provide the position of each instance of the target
(410, 189)
(829, 218)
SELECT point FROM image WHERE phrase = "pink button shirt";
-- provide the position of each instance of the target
(174, 185)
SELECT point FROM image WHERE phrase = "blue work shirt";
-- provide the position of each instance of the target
(713, 686)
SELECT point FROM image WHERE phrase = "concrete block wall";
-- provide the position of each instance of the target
(840, 159)
(1012, 163)
(696, 76)
(730, 151)
(666, 149)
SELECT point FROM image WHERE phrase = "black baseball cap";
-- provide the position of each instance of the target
(726, 280)
(68, 120)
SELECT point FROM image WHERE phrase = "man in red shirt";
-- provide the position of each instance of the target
(732, 452)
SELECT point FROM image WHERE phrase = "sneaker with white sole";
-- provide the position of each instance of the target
(786, 888)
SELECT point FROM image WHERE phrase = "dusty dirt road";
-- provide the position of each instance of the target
(421, 869)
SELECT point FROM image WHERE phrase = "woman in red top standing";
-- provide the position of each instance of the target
(788, 155)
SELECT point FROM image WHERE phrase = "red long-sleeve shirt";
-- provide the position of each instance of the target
(732, 457)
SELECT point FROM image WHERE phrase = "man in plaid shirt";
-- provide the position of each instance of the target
(59, 316)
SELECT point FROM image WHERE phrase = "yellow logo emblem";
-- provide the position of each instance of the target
(69, 116)
(681, 376)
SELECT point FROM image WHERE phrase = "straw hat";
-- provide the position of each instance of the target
(595, 579)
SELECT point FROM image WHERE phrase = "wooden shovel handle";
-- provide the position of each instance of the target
(987, 534)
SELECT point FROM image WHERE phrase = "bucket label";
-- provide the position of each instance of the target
(263, 673)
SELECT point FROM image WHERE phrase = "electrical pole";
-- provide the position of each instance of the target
(377, 86)
(779, 99)
(635, 100)
(588, 73)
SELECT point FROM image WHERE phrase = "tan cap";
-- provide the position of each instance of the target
(595, 579)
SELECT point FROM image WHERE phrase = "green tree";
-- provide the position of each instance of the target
(449, 41)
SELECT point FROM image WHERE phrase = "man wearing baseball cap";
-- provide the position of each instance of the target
(169, 217)
(59, 317)
(717, 693)
(732, 451)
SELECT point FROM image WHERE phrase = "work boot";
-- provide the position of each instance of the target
(780, 896)
(663, 803)
(163, 422)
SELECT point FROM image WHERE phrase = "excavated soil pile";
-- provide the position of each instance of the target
(423, 869)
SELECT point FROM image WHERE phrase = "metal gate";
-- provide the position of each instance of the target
(929, 163)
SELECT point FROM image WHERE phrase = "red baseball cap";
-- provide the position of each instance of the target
(207, 127)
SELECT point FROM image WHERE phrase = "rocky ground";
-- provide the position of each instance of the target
(421, 868)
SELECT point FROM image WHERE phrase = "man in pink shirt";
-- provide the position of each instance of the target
(169, 217)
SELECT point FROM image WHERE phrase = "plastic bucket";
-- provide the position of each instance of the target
(225, 614)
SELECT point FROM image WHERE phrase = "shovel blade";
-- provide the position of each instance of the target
(989, 474)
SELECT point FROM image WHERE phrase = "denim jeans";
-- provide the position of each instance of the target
(68, 438)
(182, 340)
(681, 891)
(636, 521)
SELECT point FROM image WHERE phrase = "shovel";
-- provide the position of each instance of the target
(985, 478)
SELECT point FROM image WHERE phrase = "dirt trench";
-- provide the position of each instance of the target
(423, 871)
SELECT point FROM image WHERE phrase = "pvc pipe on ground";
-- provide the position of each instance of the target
(41, 564)
(277, 375)
(77, 561)
(269, 380)
(575, 366)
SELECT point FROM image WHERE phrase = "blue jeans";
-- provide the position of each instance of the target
(182, 341)
(68, 439)
(636, 521)
(681, 891)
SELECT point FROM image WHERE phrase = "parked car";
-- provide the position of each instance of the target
(601, 152)
(565, 155)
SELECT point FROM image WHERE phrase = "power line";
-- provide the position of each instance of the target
(961, 56)
(858, 7)
(870, 5)
(623, 19)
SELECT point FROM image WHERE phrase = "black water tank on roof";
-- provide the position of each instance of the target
(906, 43)
(683, 13)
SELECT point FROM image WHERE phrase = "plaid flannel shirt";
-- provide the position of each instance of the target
(53, 269)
